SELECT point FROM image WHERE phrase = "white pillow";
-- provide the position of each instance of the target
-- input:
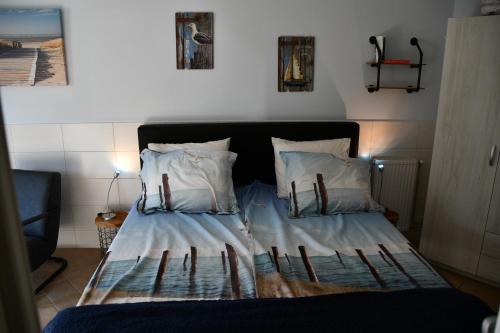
(220, 145)
(337, 147)
(188, 181)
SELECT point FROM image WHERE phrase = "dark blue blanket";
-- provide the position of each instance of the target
(418, 310)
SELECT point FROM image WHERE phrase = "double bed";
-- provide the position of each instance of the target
(259, 269)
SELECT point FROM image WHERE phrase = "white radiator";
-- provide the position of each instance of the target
(395, 185)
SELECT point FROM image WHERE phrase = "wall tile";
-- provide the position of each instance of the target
(65, 192)
(49, 161)
(425, 137)
(36, 138)
(126, 136)
(90, 164)
(129, 191)
(66, 221)
(388, 135)
(8, 137)
(66, 238)
(12, 161)
(84, 217)
(92, 192)
(87, 239)
(365, 136)
(129, 163)
(88, 137)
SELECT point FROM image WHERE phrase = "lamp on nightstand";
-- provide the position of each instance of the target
(109, 214)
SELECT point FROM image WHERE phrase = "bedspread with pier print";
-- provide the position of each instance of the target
(328, 254)
(174, 256)
(260, 252)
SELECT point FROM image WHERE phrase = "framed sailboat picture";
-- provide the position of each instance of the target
(295, 63)
(194, 33)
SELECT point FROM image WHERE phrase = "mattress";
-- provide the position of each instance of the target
(259, 253)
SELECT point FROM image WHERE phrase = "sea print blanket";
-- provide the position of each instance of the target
(328, 254)
(174, 256)
(260, 252)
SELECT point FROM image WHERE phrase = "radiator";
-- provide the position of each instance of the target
(394, 186)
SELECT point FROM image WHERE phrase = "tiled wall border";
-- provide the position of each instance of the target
(87, 155)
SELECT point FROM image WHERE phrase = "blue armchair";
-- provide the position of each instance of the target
(39, 200)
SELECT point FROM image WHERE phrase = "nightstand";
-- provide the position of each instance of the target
(107, 230)
(392, 216)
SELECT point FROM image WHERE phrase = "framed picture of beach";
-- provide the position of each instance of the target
(194, 33)
(31, 48)
(295, 63)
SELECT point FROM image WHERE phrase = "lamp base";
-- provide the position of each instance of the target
(107, 216)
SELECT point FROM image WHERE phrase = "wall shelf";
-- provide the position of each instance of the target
(410, 88)
(411, 65)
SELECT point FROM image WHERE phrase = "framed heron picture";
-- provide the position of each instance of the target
(295, 63)
(194, 33)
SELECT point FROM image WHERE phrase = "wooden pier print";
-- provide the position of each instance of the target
(166, 192)
(276, 255)
(223, 256)
(372, 269)
(398, 265)
(95, 278)
(161, 270)
(323, 193)
(307, 263)
(233, 267)
(295, 203)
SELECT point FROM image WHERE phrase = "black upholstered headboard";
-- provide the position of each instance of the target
(250, 140)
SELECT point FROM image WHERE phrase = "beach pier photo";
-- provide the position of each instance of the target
(31, 47)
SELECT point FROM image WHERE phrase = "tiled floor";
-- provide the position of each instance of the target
(489, 294)
(66, 289)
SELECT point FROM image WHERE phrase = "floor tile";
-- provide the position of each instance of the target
(489, 294)
(46, 310)
(62, 294)
(455, 279)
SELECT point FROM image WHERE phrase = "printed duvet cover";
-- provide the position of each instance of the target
(260, 252)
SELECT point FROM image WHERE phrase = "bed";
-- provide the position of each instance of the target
(259, 270)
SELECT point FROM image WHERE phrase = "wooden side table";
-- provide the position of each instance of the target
(107, 230)
(392, 216)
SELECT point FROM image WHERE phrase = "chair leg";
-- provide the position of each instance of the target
(63, 262)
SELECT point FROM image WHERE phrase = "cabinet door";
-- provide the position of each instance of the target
(461, 178)
(493, 224)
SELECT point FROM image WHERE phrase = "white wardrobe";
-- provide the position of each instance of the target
(462, 216)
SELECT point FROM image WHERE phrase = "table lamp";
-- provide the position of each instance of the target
(108, 214)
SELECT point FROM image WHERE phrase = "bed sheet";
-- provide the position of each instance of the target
(260, 252)
(174, 256)
(328, 254)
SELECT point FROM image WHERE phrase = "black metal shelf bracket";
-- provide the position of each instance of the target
(380, 56)
(373, 40)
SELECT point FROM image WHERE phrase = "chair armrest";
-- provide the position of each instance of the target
(37, 217)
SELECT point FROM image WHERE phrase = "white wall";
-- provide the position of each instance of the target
(121, 66)
(466, 8)
(86, 155)
(121, 61)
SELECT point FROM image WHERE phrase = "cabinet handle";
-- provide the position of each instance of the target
(492, 154)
